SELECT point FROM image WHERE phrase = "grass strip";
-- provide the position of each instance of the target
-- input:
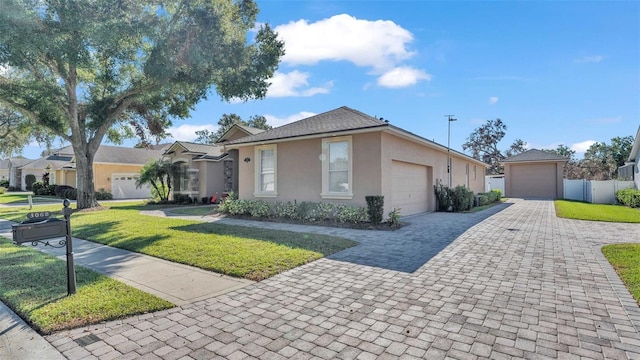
(34, 285)
(247, 252)
(596, 212)
(625, 259)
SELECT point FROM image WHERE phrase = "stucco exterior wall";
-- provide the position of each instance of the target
(540, 179)
(102, 174)
(400, 149)
(4, 174)
(299, 170)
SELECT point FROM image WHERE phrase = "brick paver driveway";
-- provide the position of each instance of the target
(519, 284)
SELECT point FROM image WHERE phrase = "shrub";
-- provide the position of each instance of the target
(483, 199)
(375, 208)
(346, 213)
(325, 210)
(462, 199)
(497, 193)
(29, 180)
(286, 210)
(4, 183)
(103, 194)
(259, 208)
(394, 218)
(443, 197)
(51, 189)
(59, 190)
(71, 194)
(36, 186)
(629, 197)
(2, 190)
(181, 199)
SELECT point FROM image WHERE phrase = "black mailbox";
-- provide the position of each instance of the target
(30, 231)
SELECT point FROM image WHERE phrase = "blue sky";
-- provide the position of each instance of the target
(554, 72)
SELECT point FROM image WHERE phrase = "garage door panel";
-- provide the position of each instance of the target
(533, 180)
(123, 186)
(410, 190)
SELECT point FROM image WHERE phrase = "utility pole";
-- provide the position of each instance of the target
(450, 118)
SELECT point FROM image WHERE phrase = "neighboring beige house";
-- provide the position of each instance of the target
(4, 170)
(534, 174)
(14, 172)
(344, 155)
(204, 170)
(115, 169)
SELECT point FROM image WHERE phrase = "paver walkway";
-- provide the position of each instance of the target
(520, 284)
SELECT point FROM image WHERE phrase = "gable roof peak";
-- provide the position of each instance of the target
(535, 155)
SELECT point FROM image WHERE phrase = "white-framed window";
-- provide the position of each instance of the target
(266, 170)
(337, 168)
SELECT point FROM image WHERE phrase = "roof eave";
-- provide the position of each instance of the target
(236, 145)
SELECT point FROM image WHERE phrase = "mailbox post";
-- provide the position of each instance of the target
(71, 271)
(40, 228)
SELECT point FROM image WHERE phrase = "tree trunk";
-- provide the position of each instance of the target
(84, 176)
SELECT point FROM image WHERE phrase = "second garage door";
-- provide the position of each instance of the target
(533, 180)
(123, 186)
(410, 187)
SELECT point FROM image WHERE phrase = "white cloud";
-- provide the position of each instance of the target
(380, 44)
(581, 147)
(278, 121)
(294, 84)
(187, 132)
(493, 100)
(402, 77)
(589, 59)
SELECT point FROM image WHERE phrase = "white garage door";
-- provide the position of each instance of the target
(123, 186)
(410, 187)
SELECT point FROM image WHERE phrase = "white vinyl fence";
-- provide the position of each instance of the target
(492, 182)
(595, 192)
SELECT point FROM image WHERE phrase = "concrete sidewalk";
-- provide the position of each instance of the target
(177, 283)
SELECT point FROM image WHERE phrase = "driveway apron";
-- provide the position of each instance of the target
(514, 281)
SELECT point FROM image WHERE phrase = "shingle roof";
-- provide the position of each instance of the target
(251, 130)
(105, 154)
(17, 162)
(200, 149)
(535, 155)
(340, 119)
(42, 163)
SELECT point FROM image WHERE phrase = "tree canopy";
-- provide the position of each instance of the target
(85, 69)
(225, 123)
(483, 144)
(600, 162)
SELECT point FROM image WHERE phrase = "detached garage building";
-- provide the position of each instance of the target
(534, 174)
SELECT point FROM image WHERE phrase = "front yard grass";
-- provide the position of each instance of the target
(15, 198)
(625, 259)
(34, 285)
(251, 253)
(596, 212)
(194, 211)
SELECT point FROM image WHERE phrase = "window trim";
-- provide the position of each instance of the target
(326, 194)
(257, 191)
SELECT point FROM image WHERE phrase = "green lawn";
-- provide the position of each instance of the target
(14, 198)
(625, 259)
(251, 253)
(34, 285)
(194, 211)
(596, 212)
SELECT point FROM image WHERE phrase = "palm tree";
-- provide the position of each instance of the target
(159, 174)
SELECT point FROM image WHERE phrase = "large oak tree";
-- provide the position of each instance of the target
(85, 68)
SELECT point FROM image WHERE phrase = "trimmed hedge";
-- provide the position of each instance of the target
(375, 208)
(629, 197)
(305, 211)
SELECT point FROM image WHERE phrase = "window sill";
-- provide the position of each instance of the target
(266, 195)
(344, 196)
